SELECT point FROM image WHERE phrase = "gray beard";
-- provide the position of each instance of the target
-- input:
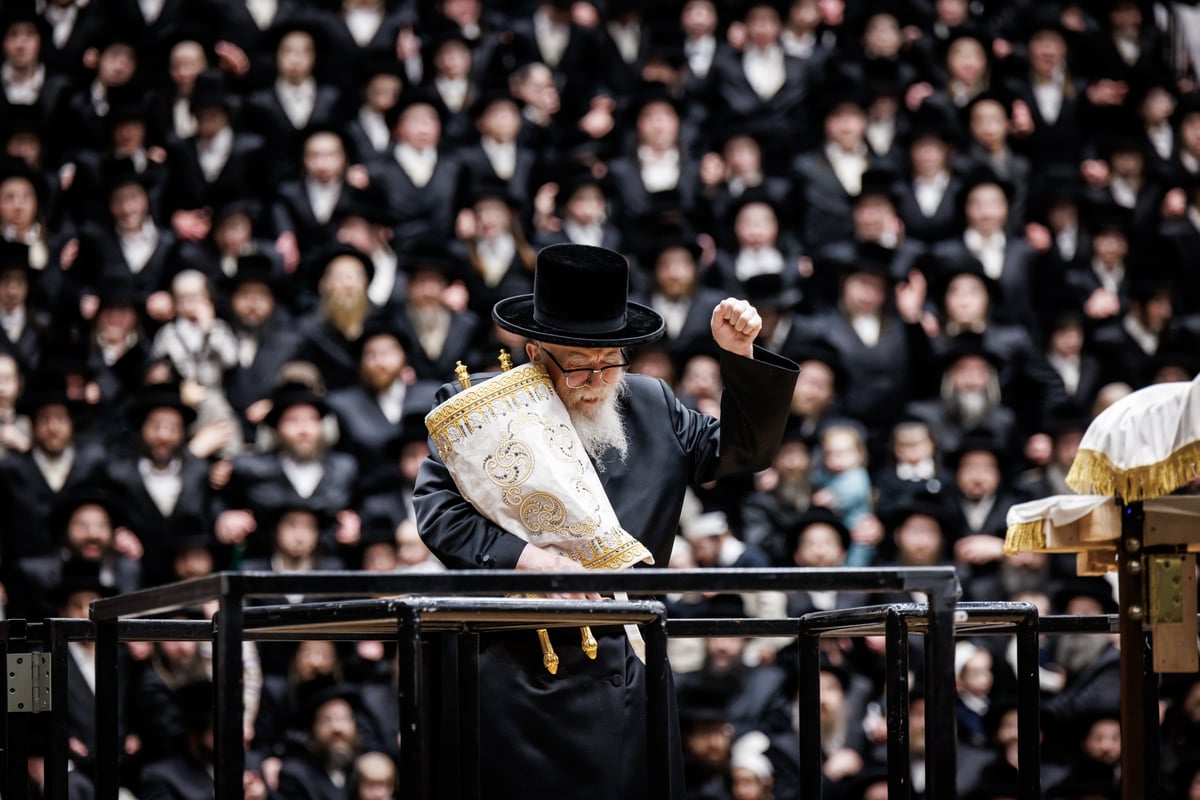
(605, 431)
(970, 408)
(1077, 650)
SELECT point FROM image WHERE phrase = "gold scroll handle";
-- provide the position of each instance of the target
(549, 657)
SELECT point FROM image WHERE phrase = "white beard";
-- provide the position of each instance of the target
(602, 429)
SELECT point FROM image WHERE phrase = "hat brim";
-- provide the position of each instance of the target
(642, 326)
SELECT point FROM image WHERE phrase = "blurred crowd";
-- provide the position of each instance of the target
(242, 242)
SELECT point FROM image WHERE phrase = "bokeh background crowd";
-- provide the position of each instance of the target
(242, 242)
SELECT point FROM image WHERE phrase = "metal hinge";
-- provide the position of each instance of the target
(28, 682)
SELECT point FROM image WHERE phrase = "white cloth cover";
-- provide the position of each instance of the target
(1143, 446)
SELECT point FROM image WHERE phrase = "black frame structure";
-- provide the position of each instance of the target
(232, 589)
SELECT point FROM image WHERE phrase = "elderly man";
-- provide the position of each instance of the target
(581, 733)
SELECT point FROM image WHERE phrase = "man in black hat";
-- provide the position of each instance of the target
(158, 481)
(437, 334)
(85, 523)
(218, 162)
(370, 412)
(342, 275)
(761, 80)
(129, 244)
(676, 294)
(32, 482)
(321, 770)
(498, 157)
(306, 208)
(301, 468)
(24, 79)
(418, 178)
(187, 775)
(266, 340)
(22, 327)
(657, 160)
(968, 396)
(645, 444)
(295, 102)
(367, 224)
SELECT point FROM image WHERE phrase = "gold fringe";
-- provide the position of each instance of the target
(1025, 537)
(1093, 472)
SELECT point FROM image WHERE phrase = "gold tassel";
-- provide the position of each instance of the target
(1025, 537)
(1093, 472)
(549, 657)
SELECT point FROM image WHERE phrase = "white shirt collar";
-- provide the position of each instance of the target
(323, 197)
(592, 234)
(297, 100)
(660, 171)
(501, 155)
(990, 251)
(417, 164)
(391, 401)
(453, 91)
(848, 167)
(263, 12)
(13, 322)
(214, 154)
(304, 476)
(1146, 340)
(627, 38)
(765, 70)
(363, 24)
(27, 92)
(375, 128)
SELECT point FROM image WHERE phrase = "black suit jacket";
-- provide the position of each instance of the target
(784, 111)
(669, 447)
(365, 431)
(178, 777)
(945, 221)
(244, 174)
(157, 531)
(292, 211)
(634, 199)
(695, 335)
(278, 343)
(101, 259)
(464, 334)
(232, 23)
(302, 778)
(31, 590)
(30, 500)
(259, 484)
(423, 210)
(1015, 303)
(265, 116)
(477, 169)
(827, 208)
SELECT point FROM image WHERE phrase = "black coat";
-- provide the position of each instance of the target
(178, 777)
(292, 211)
(734, 94)
(157, 531)
(265, 116)
(30, 500)
(424, 210)
(259, 484)
(302, 778)
(581, 734)
(244, 174)
(464, 334)
(365, 431)
(31, 589)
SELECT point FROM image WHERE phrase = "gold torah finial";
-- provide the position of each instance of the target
(463, 375)
(505, 360)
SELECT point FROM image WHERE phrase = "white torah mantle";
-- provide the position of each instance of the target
(509, 445)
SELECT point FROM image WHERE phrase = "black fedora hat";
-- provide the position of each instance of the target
(289, 395)
(87, 494)
(580, 299)
(156, 397)
(80, 575)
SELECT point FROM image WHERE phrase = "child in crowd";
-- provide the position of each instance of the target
(844, 486)
(374, 777)
(15, 429)
(201, 348)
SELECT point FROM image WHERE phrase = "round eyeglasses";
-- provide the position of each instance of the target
(576, 378)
